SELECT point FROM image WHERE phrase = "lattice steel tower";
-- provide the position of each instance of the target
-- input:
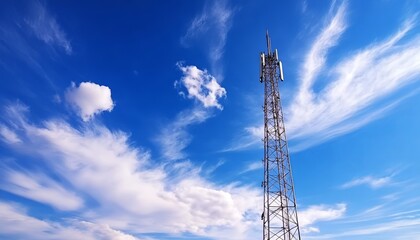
(280, 220)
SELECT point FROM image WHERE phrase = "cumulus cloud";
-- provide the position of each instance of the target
(201, 86)
(46, 28)
(89, 99)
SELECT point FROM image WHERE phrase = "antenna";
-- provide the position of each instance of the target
(267, 37)
(281, 70)
(262, 64)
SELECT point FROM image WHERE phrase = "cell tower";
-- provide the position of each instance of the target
(280, 220)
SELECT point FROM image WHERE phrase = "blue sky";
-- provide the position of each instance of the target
(143, 120)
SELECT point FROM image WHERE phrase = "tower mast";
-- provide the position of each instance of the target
(280, 220)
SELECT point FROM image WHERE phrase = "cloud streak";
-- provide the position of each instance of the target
(252, 167)
(46, 28)
(8, 136)
(174, 138)
(370, 181)
(15, 223)
(406, 229)
(40, 188)
(215, 20)
(318, 213)
(316, 57)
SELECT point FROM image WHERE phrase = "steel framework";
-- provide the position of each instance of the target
(280, 220)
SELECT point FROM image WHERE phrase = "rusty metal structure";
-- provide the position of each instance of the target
(280, 220)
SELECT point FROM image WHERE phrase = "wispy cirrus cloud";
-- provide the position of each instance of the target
(215, 21)
(40, 188)
(315, 59)
(252, 167)
(405, 229)
(174, 138)
(46, 28)
(8, 135)
(370, 181)
(356, 89)
(318, 213)
(21, 31)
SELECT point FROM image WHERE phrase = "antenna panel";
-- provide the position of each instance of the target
(281, 70)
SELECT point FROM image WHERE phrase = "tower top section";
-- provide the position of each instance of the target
(270, 62)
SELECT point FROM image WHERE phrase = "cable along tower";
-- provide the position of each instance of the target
(280, 220)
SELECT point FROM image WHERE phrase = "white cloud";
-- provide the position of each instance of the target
(308, 217)
(41, 188)
(8, 135)
(15, 223)
(369, 181)
(94, 158)
(201, 86)
(89, 99)
(46, 28)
